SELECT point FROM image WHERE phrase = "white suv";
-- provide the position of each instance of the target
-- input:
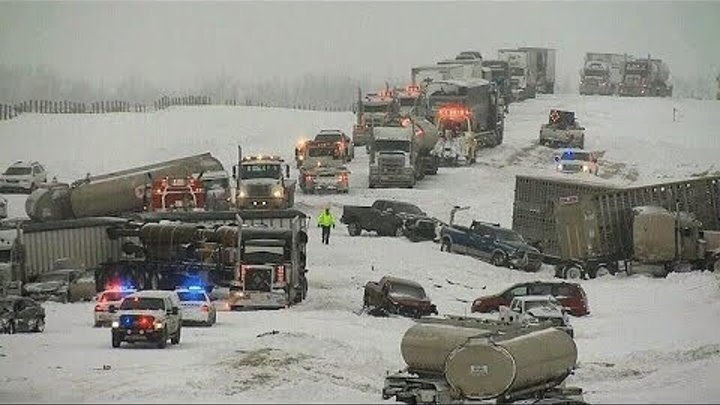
(147, 316)
(23, 177)
(196, 306)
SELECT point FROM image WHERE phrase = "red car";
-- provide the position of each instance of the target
(571, 296)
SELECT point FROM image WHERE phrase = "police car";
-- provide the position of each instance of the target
(197, 308)
(112, 296)
(577, 161)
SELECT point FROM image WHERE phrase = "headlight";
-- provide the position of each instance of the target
(242, 193)
(560, 167)
(277, 192)
(585, 168)
(116, 324)
(159, 325)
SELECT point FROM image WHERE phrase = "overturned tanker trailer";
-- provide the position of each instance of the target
(481, 361)
(112, 193)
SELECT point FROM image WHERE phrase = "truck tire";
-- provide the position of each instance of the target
(446, 245)
(116, 340)
(399, 232)
(39, 325)
(162, 341)
(573, 272)
(499, 260)
(354, 229)
(175, 339)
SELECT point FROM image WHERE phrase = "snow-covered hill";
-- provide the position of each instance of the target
(647, 340)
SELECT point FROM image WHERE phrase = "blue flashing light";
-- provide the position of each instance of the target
(196, 288)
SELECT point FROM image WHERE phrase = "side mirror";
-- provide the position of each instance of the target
(557, 158)
(112, 309)
(175, 310)
(234, 171)
(287, 171)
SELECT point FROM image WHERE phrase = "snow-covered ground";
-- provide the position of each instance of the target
(647, 340)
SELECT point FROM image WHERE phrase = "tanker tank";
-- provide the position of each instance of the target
(483, 364)
(113, 193)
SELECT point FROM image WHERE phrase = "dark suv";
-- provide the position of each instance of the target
(571, 296)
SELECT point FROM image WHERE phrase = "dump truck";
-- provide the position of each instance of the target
(562, 131)
(588, 228)
(523, 79)
(646, 78)
(113, 193)
(169, 249)
(261, 183)
(460, 360)
(323, 168)
(542, 62)
(468, 102)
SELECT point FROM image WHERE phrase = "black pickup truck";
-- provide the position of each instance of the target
(389, 218)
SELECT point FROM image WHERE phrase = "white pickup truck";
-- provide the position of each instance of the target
(536, 308)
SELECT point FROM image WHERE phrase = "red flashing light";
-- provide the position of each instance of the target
(243, 272)
(406, 122)
(99, 308)
(280, 274)
(204, 308)
(454, 112)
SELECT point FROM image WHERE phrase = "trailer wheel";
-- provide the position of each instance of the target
(573, 272)
(601, 271)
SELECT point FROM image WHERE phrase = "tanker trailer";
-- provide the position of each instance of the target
(113, 193)
(424, 140)
(455, 363)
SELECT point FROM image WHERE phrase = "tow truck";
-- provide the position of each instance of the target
(261, 183)
(187, 194)
(374, 110)
(457, 143)
(323, 168)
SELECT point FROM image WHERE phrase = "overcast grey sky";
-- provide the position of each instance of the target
(171, 43)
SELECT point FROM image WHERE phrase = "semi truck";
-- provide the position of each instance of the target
(542, 63)
(170, 249)
(602, 73)
(459, 360)
(646, 78)
(501, 77)
(477, 100)
(374, 110)
(263, 182)
(588, 228)
(392, 158)
(113, 193)
(523, 79)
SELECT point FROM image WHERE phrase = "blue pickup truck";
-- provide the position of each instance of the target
(489, 242)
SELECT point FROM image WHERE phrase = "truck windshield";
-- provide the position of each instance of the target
(17, 171)
(508, 235)
(328, 138)
(407, 102)
(407, 208)
(404, 290)
(261, 171)
(400, 146)
(517, 71)
(446, 89)
(568, 155)
(192, 296)
(216, 184)
(113, 296)
(594, 72)
(320, 152)
(378, 108)
(141, 303)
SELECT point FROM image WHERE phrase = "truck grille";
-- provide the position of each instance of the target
(391, 163)
(258, 190)
(258, 279)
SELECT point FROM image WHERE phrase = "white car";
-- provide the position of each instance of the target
(196, 306)
(537, 308)
(23, 176)
(3, 207)
(577, 161)
(104, 300)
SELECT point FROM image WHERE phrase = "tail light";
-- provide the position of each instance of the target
(309, 179)
(243, 272)
(99, 308)
(204, 308)
(280, 274)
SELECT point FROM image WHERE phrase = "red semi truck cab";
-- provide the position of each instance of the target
(170, 194)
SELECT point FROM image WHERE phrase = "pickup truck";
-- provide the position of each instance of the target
(486, 241)
(537, 308)
(389, 218)
(393, 295)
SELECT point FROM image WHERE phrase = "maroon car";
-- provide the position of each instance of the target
(392, 295)
(571, 296)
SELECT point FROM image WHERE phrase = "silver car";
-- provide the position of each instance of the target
(23, 177)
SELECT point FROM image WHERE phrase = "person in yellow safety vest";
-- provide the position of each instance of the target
(325, 221)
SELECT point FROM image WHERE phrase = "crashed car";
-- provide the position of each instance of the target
(21, 314)
(398, 296)
(577, 161)
(58, 285)
(390, 218)
(571, 295)
(536, 309)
